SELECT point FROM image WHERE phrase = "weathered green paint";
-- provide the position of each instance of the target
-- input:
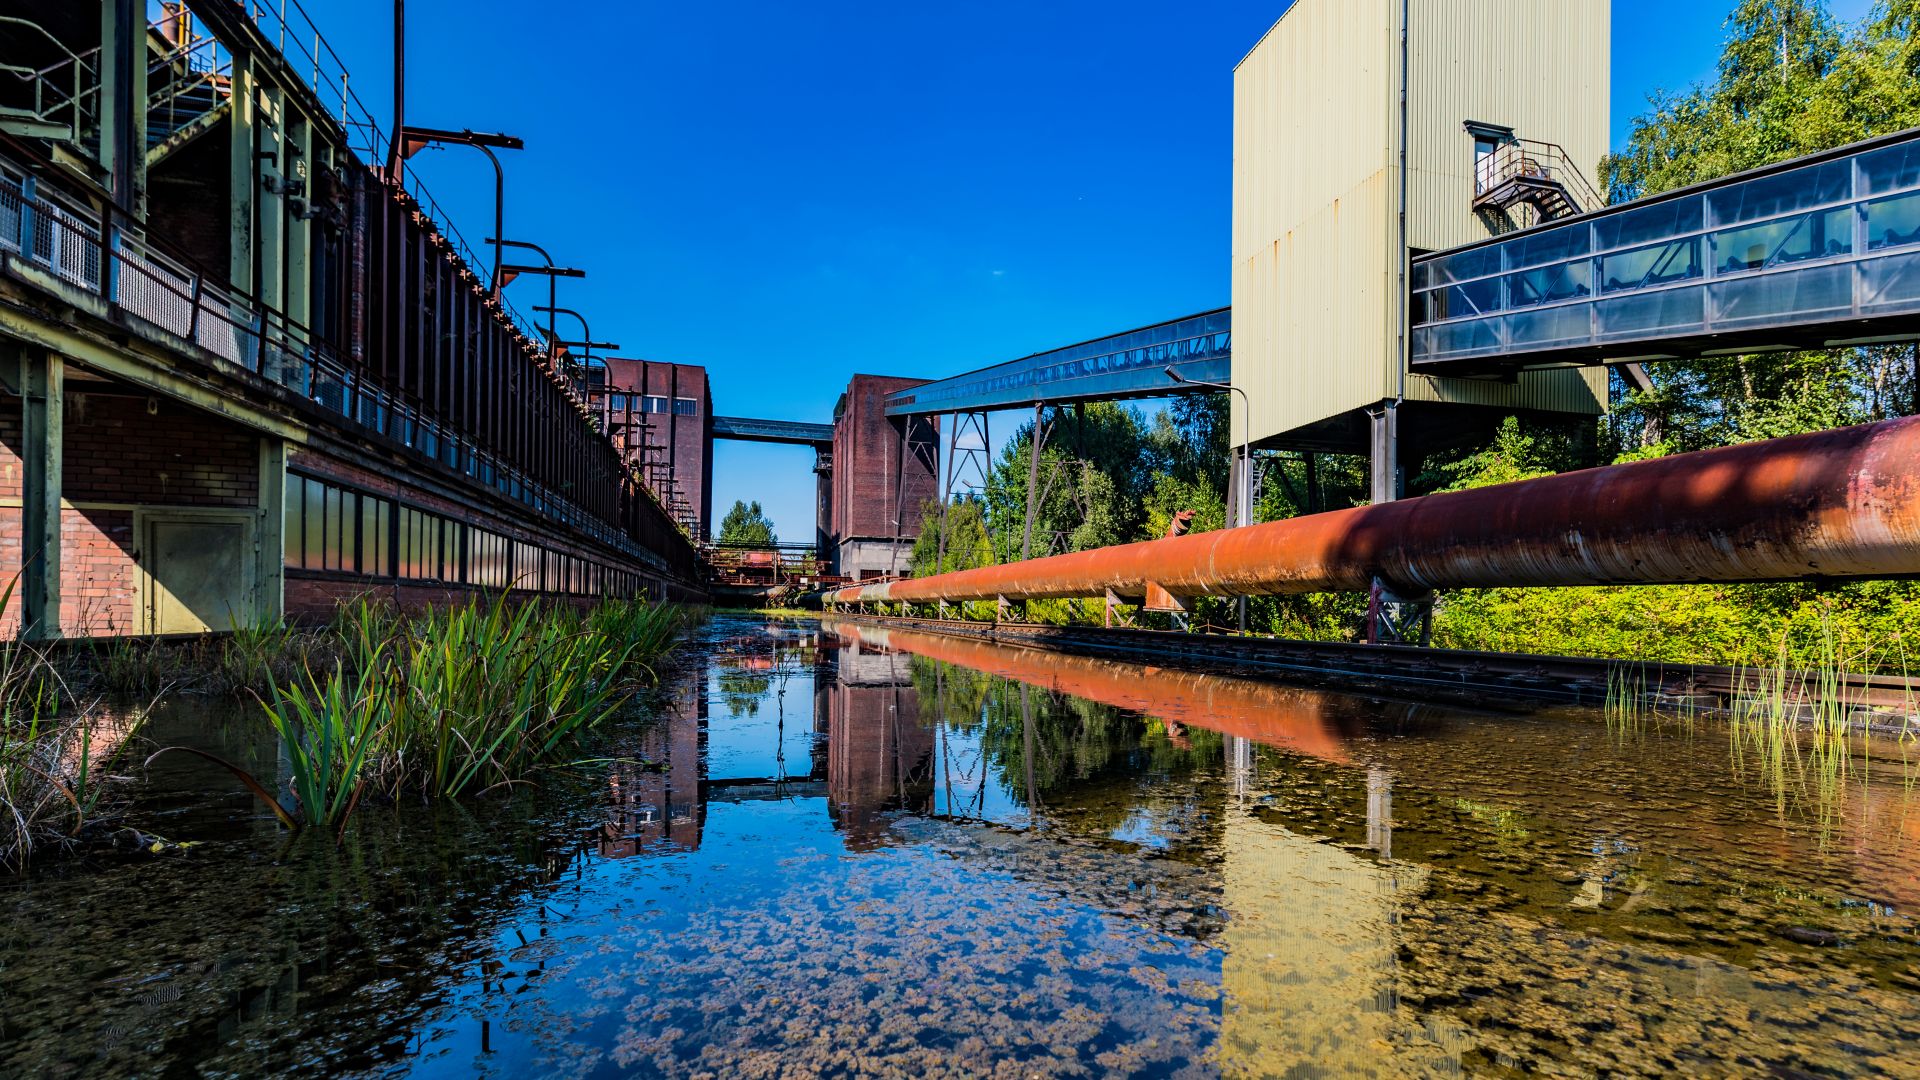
(123, 101)
(241, 163)
(143, 371)
(297, 165)
(270, 542)
(42, 384)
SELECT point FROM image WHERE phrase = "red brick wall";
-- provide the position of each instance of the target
(685, 438)
(116, 454)
(116, 451)
(187, 198)
(868, 459)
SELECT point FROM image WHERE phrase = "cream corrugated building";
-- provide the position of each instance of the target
(1319, 248)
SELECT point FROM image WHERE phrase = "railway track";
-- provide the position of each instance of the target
(1885, 700)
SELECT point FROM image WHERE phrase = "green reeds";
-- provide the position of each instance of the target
(56, 755)
(1808, 737)
(456, 700)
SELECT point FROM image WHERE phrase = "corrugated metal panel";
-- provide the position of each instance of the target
(1316, 126)
(1312, 209)
(1541, 69)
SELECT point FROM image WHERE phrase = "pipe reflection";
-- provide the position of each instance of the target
(1306, 721)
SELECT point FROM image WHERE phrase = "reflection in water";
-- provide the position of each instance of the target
(879, 752)
(654, 801)
(873, 853)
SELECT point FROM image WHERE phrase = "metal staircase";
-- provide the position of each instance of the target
(58, 100)
(1538, 175)
(190, 83)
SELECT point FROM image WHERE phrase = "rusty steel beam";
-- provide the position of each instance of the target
(1829, 505)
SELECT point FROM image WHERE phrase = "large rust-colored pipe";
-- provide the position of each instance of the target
(1833, 504)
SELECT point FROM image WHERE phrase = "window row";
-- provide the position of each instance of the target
(332, 528)
(1887, 224)
(650, 403)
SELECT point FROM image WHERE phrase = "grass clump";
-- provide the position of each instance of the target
(56, 756)
(455, 700)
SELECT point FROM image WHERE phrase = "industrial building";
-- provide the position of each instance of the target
(661, 417)
(247, 368)
(1366, 132)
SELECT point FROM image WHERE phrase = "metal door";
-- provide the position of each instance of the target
(198, 571)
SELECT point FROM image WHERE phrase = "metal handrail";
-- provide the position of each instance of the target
(160, 289)
(86, 78)
(1531, 159)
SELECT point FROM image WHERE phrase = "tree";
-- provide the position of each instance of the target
(1790, 81)
(746, 525)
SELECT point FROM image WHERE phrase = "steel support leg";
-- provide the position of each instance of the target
(1033, 482)
(946, 496)
(1385, 438)
(42, 392)
(1394, 619)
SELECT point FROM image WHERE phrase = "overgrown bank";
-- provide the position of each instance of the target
(377, 707)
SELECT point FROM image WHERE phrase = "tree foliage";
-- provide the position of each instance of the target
(1791, 81)
(746, 524)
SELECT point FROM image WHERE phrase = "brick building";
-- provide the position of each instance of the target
(661, 414)
(885, 471)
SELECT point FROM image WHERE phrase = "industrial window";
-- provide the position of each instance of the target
(655, 404)
(618, 402)
(345, 531)
(292, 535)
(685, 406)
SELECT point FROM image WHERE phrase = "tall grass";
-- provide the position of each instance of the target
(456, 700)
(1807, 737)
(56, 755)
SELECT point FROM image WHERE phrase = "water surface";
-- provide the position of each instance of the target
(847, 851)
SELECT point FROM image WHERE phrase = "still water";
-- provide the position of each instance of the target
(859, 852)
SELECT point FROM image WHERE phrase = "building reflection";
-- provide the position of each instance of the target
(880, 753)
(1310, 943)
(654, 803)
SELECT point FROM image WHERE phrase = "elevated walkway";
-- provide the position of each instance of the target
(790, 432)
(1820, 251)
(1126, 365)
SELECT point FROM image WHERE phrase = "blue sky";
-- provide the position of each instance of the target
(790, 194)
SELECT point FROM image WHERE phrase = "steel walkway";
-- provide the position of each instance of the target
(791, 432)
(1820, 251)
(1127, 365)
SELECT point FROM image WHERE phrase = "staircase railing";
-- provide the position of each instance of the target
(66, 91)
(1543, 162)
(188, 82)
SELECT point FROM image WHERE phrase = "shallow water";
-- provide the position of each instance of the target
(871, 853)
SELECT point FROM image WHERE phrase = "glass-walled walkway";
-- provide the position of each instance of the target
(1816, 251)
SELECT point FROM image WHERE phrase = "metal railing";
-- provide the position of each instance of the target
(86, 253)
(288, 26)
(1526, 160)
(66, 91)
(1832, 240)
(192, 79)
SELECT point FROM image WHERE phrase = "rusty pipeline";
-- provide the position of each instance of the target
(1828, 505)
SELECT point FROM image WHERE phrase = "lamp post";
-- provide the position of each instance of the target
(509, 272)
(586, 344)
(586, 333)
(414, 139)
(1243, 456)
